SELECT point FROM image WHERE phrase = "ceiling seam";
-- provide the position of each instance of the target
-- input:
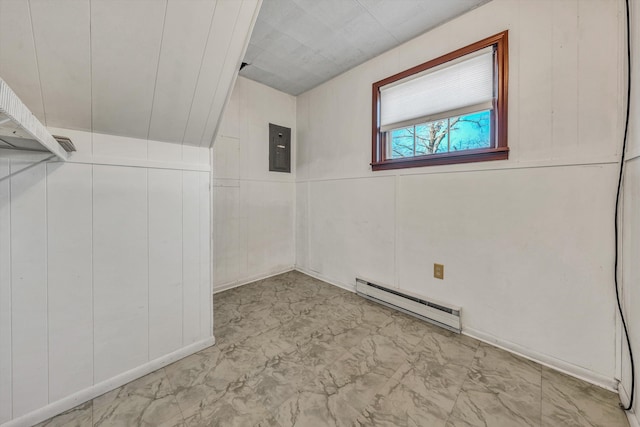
(378, 21)
(155, 84)
(215, 92)
(195, 88)
(35, 52)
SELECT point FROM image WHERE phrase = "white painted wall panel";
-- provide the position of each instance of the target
(302, 160)
(220, 37)
(5, 294)
(70, 284)
(599, 106)
(226, 158)
(630, 270)
(121, 281)
(184, 39)
(335, 130)
(302, 225)
(63, 45)
(165, 262)
(206, 301)
(164, 151)
(29, 287)
(124, 73)
(631, 228)
(226, 235)
(93, 268)
(259, 106)
(564, 86)
(253, 208)
(18, 62)
(555, 240)
(508, 241)
(246, 16)
(196, 155)
(230, 125)
(269, 224)
(343, 215)
(141, 69)
(536, 95)
(119, 147)
(190, 256)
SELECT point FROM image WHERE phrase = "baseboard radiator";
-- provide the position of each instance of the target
(444, 315)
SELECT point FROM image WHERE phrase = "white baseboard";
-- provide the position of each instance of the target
(544, 359)
(96, 390)
(246, 281)
(632, 416)
(350, 288)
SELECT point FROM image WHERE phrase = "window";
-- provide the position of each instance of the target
(452, 109)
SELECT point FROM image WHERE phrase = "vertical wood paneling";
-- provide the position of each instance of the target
(229, 71)
(69, 209)
(91, 273)
(302, 225)
(5, 295)
(205, 256)
(184, 40)
(165, 261)
(226, 234)
(190, 256)
(564, 84)
(535, 79)
(63, 43)
(29, 287)
(220, 37)
(124, 64)
(599, 102)
(269, 224)
(18, 62)
(120, 252)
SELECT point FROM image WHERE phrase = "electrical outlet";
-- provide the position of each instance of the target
(438, 271)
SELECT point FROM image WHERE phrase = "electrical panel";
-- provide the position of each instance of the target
(279, 148)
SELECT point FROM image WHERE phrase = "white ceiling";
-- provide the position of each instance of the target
(298, 44)
(156, 69)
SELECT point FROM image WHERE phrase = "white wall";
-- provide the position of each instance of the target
(526, 243)
(104, 268)
(631, 226)
(253, 217)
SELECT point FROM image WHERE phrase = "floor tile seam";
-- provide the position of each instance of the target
(223, 345)
(372, 400)
(184, 408)
(174, 393)
(273, 412)
(598, 398)
(145, 406)
(520, 378)
(460, 391)
(418, 391)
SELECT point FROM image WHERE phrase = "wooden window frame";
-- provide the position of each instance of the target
(499, 149)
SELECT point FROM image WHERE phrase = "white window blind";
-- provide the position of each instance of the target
(457, 88)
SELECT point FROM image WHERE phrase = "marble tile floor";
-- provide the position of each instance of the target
(294, 351)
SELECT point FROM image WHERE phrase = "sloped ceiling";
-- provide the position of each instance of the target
(298, 44)
(152, 69)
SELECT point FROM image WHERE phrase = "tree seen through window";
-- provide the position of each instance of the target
(468, 132)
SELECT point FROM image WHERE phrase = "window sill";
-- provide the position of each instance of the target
(468, 156)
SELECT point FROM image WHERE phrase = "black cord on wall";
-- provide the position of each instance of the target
(620, 175)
